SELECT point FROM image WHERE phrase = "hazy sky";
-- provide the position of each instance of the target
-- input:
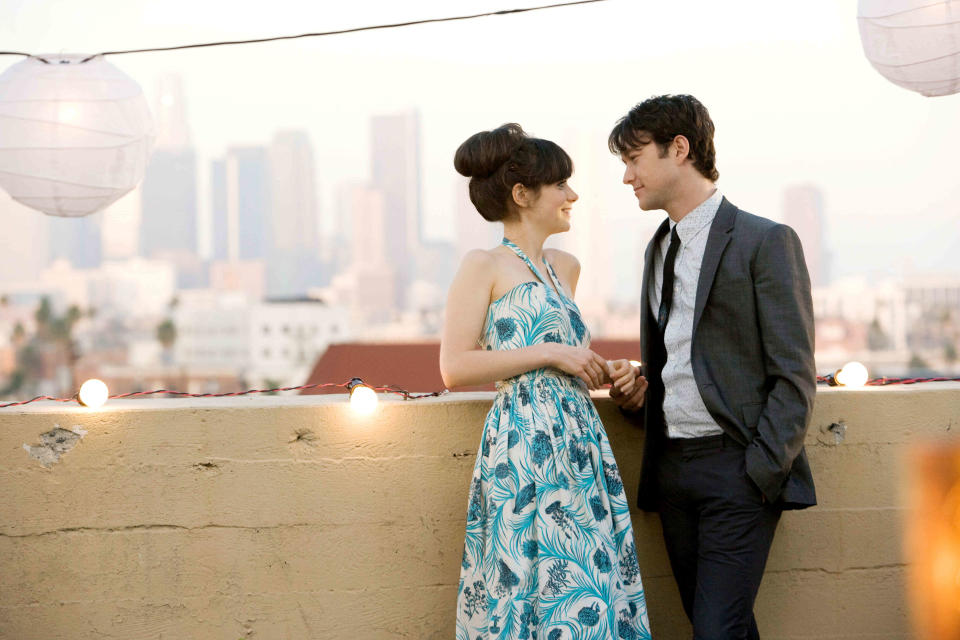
(787, 84)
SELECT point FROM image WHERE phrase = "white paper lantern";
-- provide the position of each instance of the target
(75, 136)
(913, 43)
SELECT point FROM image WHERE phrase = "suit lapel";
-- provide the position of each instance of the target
(646, 313)
(717, 241)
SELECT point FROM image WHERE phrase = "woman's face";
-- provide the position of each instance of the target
(551, 208)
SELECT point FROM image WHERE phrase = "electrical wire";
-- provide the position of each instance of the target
(406, 395)
(394, 389)
(319, 34)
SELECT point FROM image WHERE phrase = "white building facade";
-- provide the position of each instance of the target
(271, 342)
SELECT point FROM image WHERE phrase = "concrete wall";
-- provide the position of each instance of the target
(292, 518)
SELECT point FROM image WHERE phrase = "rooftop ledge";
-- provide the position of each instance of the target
(292, 517)
(260, 401)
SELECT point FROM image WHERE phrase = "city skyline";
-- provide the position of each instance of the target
(356, 209)
(808, 109)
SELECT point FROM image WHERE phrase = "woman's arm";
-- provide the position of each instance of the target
(462, 364)
(568, 269)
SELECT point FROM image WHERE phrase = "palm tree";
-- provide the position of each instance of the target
(167, 336)
(54, 337)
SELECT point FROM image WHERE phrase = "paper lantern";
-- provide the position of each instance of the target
(75, 133)
(913, 43)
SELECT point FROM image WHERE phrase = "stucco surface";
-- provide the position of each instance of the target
(294, 518)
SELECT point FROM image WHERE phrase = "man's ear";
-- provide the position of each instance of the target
(521, 196)
(681, 148)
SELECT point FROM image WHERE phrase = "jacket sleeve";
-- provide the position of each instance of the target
(785, 321)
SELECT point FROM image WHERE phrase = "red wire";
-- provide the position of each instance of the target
(407, 395)
(389, 389)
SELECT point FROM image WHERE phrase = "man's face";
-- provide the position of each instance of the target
(650, 173)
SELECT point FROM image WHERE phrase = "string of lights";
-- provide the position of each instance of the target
(356, 383)
(94, 392)
(319, 34)
(882, 382)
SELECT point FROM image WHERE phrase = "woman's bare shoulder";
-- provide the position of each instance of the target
(563, 261)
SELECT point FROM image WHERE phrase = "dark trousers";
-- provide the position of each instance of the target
(718, 532)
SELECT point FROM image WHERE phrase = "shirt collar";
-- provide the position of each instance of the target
(702, 215)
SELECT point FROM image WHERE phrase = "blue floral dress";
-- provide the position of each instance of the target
(549, 551)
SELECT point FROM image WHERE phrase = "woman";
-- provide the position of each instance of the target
(549, 551)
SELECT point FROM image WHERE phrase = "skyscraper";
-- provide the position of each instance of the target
(248, 203)
(803, 211)
(373, 279)
(168, 221)
(173, 131)
(293, 264)
(121, 227)
(395, 162)
(77, 240)
(220, 234)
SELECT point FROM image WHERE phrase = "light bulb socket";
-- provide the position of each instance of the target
(354, 383)
(832, 379)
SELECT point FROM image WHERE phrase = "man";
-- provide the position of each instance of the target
(728, 377)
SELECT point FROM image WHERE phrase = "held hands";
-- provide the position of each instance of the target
(580, 362)
(629, 387)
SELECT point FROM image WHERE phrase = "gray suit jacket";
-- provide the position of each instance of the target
(752, 353)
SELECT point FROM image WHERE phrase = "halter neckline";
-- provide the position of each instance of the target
(553, 276)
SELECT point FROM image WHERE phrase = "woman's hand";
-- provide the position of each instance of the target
(580, 362)
(629, 387)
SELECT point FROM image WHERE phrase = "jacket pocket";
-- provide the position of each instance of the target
(750, 414)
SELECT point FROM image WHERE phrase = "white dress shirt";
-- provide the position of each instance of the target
(683, 409)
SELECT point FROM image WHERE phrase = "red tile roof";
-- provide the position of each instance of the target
(414, 366)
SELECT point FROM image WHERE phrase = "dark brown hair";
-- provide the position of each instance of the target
(662, 118)
(496, 160)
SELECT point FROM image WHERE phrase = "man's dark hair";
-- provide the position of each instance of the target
(662, 118)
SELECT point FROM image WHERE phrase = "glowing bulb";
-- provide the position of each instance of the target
(93, 393)
(853, 374)
(363, 399)
(636, 363)
(167, 100)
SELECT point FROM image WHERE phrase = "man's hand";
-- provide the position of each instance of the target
(629, 387)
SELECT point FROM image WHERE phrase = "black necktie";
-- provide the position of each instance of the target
(666, 292)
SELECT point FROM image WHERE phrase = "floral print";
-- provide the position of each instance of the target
(549, 551)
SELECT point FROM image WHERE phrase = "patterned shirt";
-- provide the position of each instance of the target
(683, 409)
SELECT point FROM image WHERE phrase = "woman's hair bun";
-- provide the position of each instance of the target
(483, 153)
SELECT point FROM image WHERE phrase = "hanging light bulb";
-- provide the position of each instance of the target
(93, 393)
(363, 399)
(852, 374)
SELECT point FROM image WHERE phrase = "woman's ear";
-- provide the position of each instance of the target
(520, 195)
